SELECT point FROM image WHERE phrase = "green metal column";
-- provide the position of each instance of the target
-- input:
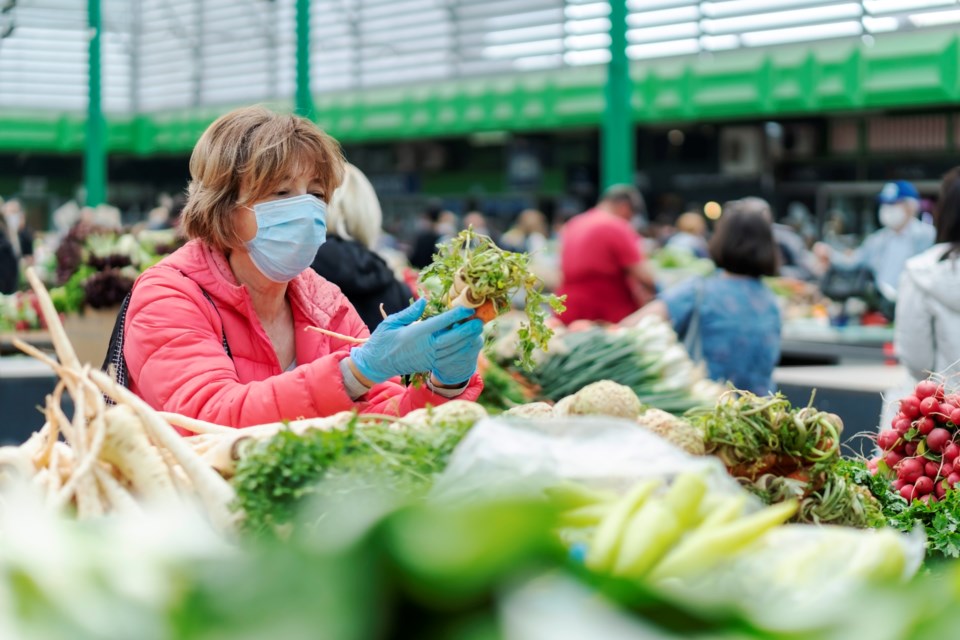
(617, 137)
(95, 147)
(304, 100)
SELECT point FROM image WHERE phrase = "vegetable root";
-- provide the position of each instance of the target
(131, 452)
(338, 336)
(215, 493)
(109, 458)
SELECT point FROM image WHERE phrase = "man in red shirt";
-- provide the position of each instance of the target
(605, 275)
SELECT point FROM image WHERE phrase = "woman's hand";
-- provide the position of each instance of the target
(401, 345)
(456, 364)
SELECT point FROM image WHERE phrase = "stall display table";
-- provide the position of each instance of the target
(39, 339)
(810, 344)
(24, 385)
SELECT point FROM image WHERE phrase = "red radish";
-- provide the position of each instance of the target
(902, 425)
(946, 469)
(947, 409)
(925, 389)
(951, 451)
(910, 469)
(940, 393)
(940, 489)
(938, 439)
(927, 499)
(910, 407)
(906, 491)
(953, 399)
(910, 449)
(955, 417)
(925, 425)
(953, 479)
(897, 484)
(929, 406)
(892, 458)
(923, 486)
(931, 470)
(887, 439)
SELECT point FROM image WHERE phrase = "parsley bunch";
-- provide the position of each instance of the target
(275, 476)
(940, 520)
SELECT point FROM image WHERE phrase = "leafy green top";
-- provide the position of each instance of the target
(940, 519)
(490, 273)
(274, 476)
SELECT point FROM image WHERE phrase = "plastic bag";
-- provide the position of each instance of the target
(516, 456)
(801, 577)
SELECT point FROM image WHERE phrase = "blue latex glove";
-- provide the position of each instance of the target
(401, 345)
(457, 363)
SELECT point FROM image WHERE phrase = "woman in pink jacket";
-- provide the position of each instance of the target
(217, 330)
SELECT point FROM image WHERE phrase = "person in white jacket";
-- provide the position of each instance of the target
(927, 335)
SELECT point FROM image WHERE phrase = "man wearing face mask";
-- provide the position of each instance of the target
(885, 252)
(218, 330)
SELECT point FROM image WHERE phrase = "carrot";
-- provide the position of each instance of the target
(487, 311)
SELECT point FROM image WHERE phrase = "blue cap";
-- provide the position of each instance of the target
(896, 191)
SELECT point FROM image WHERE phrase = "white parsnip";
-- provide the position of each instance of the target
(194, 425)
(128, 448)
(57, 333)
(215, 493)
(116, 494)
(56, 480)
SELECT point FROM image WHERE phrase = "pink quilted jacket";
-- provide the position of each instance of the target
(177, 362)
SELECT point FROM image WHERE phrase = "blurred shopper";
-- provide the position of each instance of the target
(927, 335)
(795, 260)
(885, 252)
(603, 270)
(218, 329)
(21, 236)
(529, 234)
(730, 320)
(9, 264)
(436, 226)
(347, 258)
(691, 234)
(478, 222)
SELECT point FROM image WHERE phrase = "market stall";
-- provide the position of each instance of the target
(563, 488)
(469, 520)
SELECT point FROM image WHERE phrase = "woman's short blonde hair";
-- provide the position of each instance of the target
(241, 158)
(354, 212)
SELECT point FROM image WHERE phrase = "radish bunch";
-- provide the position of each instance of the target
(921, 449)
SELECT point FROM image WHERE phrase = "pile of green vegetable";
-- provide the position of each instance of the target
(19, 312)
(275, 476)
(781, 453)
(940, 519)
(646, 358)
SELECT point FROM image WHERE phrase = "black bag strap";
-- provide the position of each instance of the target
(115, 357)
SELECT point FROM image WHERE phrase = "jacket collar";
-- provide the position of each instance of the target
(209, 268)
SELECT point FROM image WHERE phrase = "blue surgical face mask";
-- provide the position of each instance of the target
(289, 232)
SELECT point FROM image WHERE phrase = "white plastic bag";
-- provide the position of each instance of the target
(516, 456)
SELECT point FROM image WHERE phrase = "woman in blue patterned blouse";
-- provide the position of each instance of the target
(730, 320)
